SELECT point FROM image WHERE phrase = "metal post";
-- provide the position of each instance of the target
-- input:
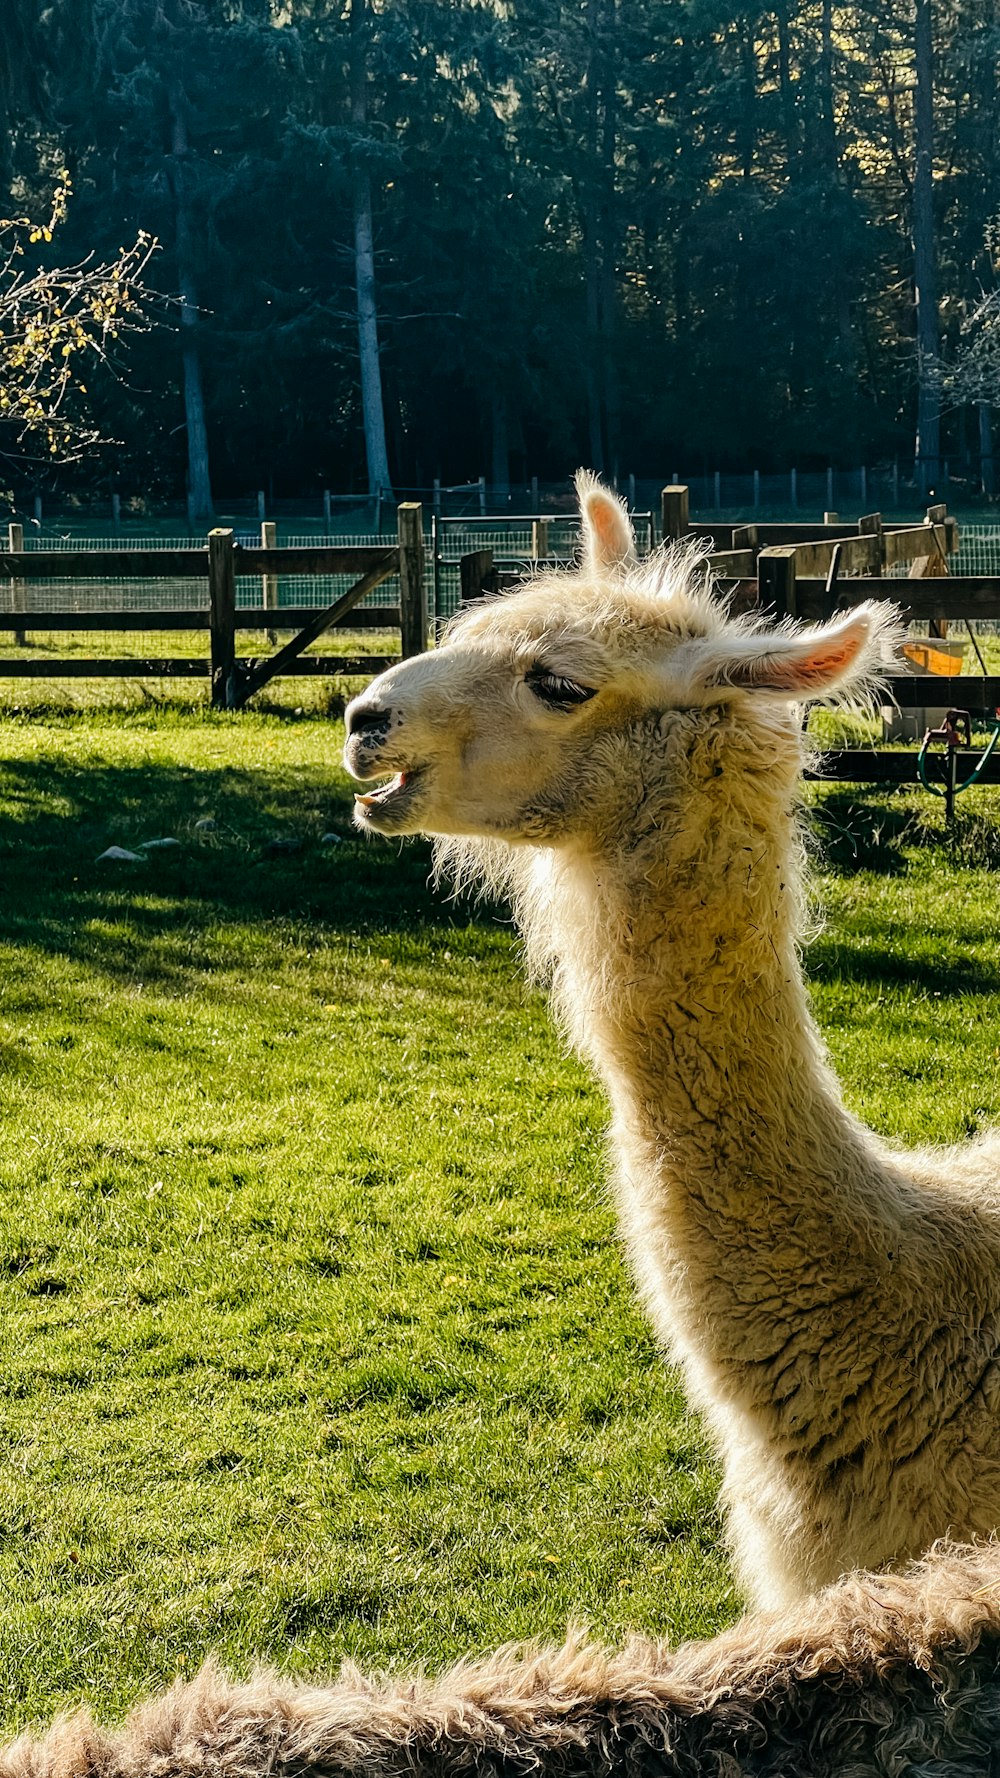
(269, 582)
(15, 543)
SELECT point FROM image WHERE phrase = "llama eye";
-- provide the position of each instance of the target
(555, 691)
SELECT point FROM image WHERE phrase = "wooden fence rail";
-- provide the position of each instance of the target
(813, 571)
(220, 563)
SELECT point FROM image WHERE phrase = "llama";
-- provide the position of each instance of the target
(622, 757)
(881, 1675)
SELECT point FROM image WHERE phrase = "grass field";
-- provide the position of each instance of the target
(316, 1337)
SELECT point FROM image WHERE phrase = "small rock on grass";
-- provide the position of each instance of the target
(331, 839)
(119, 854)
(207, 824)
(157, 845)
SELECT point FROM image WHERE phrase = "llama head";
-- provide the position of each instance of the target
(546, 714)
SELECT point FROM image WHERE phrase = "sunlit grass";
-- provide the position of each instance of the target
(317, 1339)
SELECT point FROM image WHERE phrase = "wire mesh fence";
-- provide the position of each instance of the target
(513, 541)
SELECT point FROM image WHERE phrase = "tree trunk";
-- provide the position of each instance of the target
(591, 221)
(828, 123)
(373, 413)
(199, 479)
(609, 235)
(788, 107)
(928, 440)
(747, 116)
(986, 474)
(499, 448)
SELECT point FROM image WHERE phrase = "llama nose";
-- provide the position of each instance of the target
(370, 722)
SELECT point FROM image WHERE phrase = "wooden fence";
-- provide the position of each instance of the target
(218, 563)
(813, 571)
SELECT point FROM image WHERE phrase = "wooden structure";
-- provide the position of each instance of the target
(219, 563)
(812, 571)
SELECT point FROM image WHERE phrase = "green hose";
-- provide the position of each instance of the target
(974, 775)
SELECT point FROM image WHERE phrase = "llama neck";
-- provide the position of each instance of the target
(676, 970)
(689, 999)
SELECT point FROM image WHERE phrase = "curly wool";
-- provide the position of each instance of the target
(881, 1676)
(622, 756)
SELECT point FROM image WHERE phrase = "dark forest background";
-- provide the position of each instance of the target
(515, 235)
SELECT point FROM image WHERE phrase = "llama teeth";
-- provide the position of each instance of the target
(368, 797)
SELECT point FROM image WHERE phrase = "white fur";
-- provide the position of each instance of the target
(835, 1306)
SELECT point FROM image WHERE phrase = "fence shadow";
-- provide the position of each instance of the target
(255, 848)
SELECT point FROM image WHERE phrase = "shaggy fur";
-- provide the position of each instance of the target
(882, 1675)
(623, 758)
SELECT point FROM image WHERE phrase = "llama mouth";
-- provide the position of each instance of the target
(371, 807)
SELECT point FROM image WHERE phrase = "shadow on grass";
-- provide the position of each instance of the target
(884, 965)
(895, 832)
(854, 832)
(267, 857)
(267, 862)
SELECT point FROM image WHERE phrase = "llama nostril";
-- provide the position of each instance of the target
(368, 720)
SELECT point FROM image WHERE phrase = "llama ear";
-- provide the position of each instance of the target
(851, 653)
(608, 538)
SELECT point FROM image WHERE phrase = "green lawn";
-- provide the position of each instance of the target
(316, 1338)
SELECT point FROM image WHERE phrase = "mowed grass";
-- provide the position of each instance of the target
(316, 1338)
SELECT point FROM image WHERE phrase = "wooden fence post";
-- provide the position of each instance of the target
(776, 580)
(15, 543)
(412, 596)
(871, 526)
(539, 539)
(674, 512)
(269, 582)
(474, 570)
(222, 617)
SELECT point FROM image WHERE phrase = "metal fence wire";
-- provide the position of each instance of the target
(512, 542)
